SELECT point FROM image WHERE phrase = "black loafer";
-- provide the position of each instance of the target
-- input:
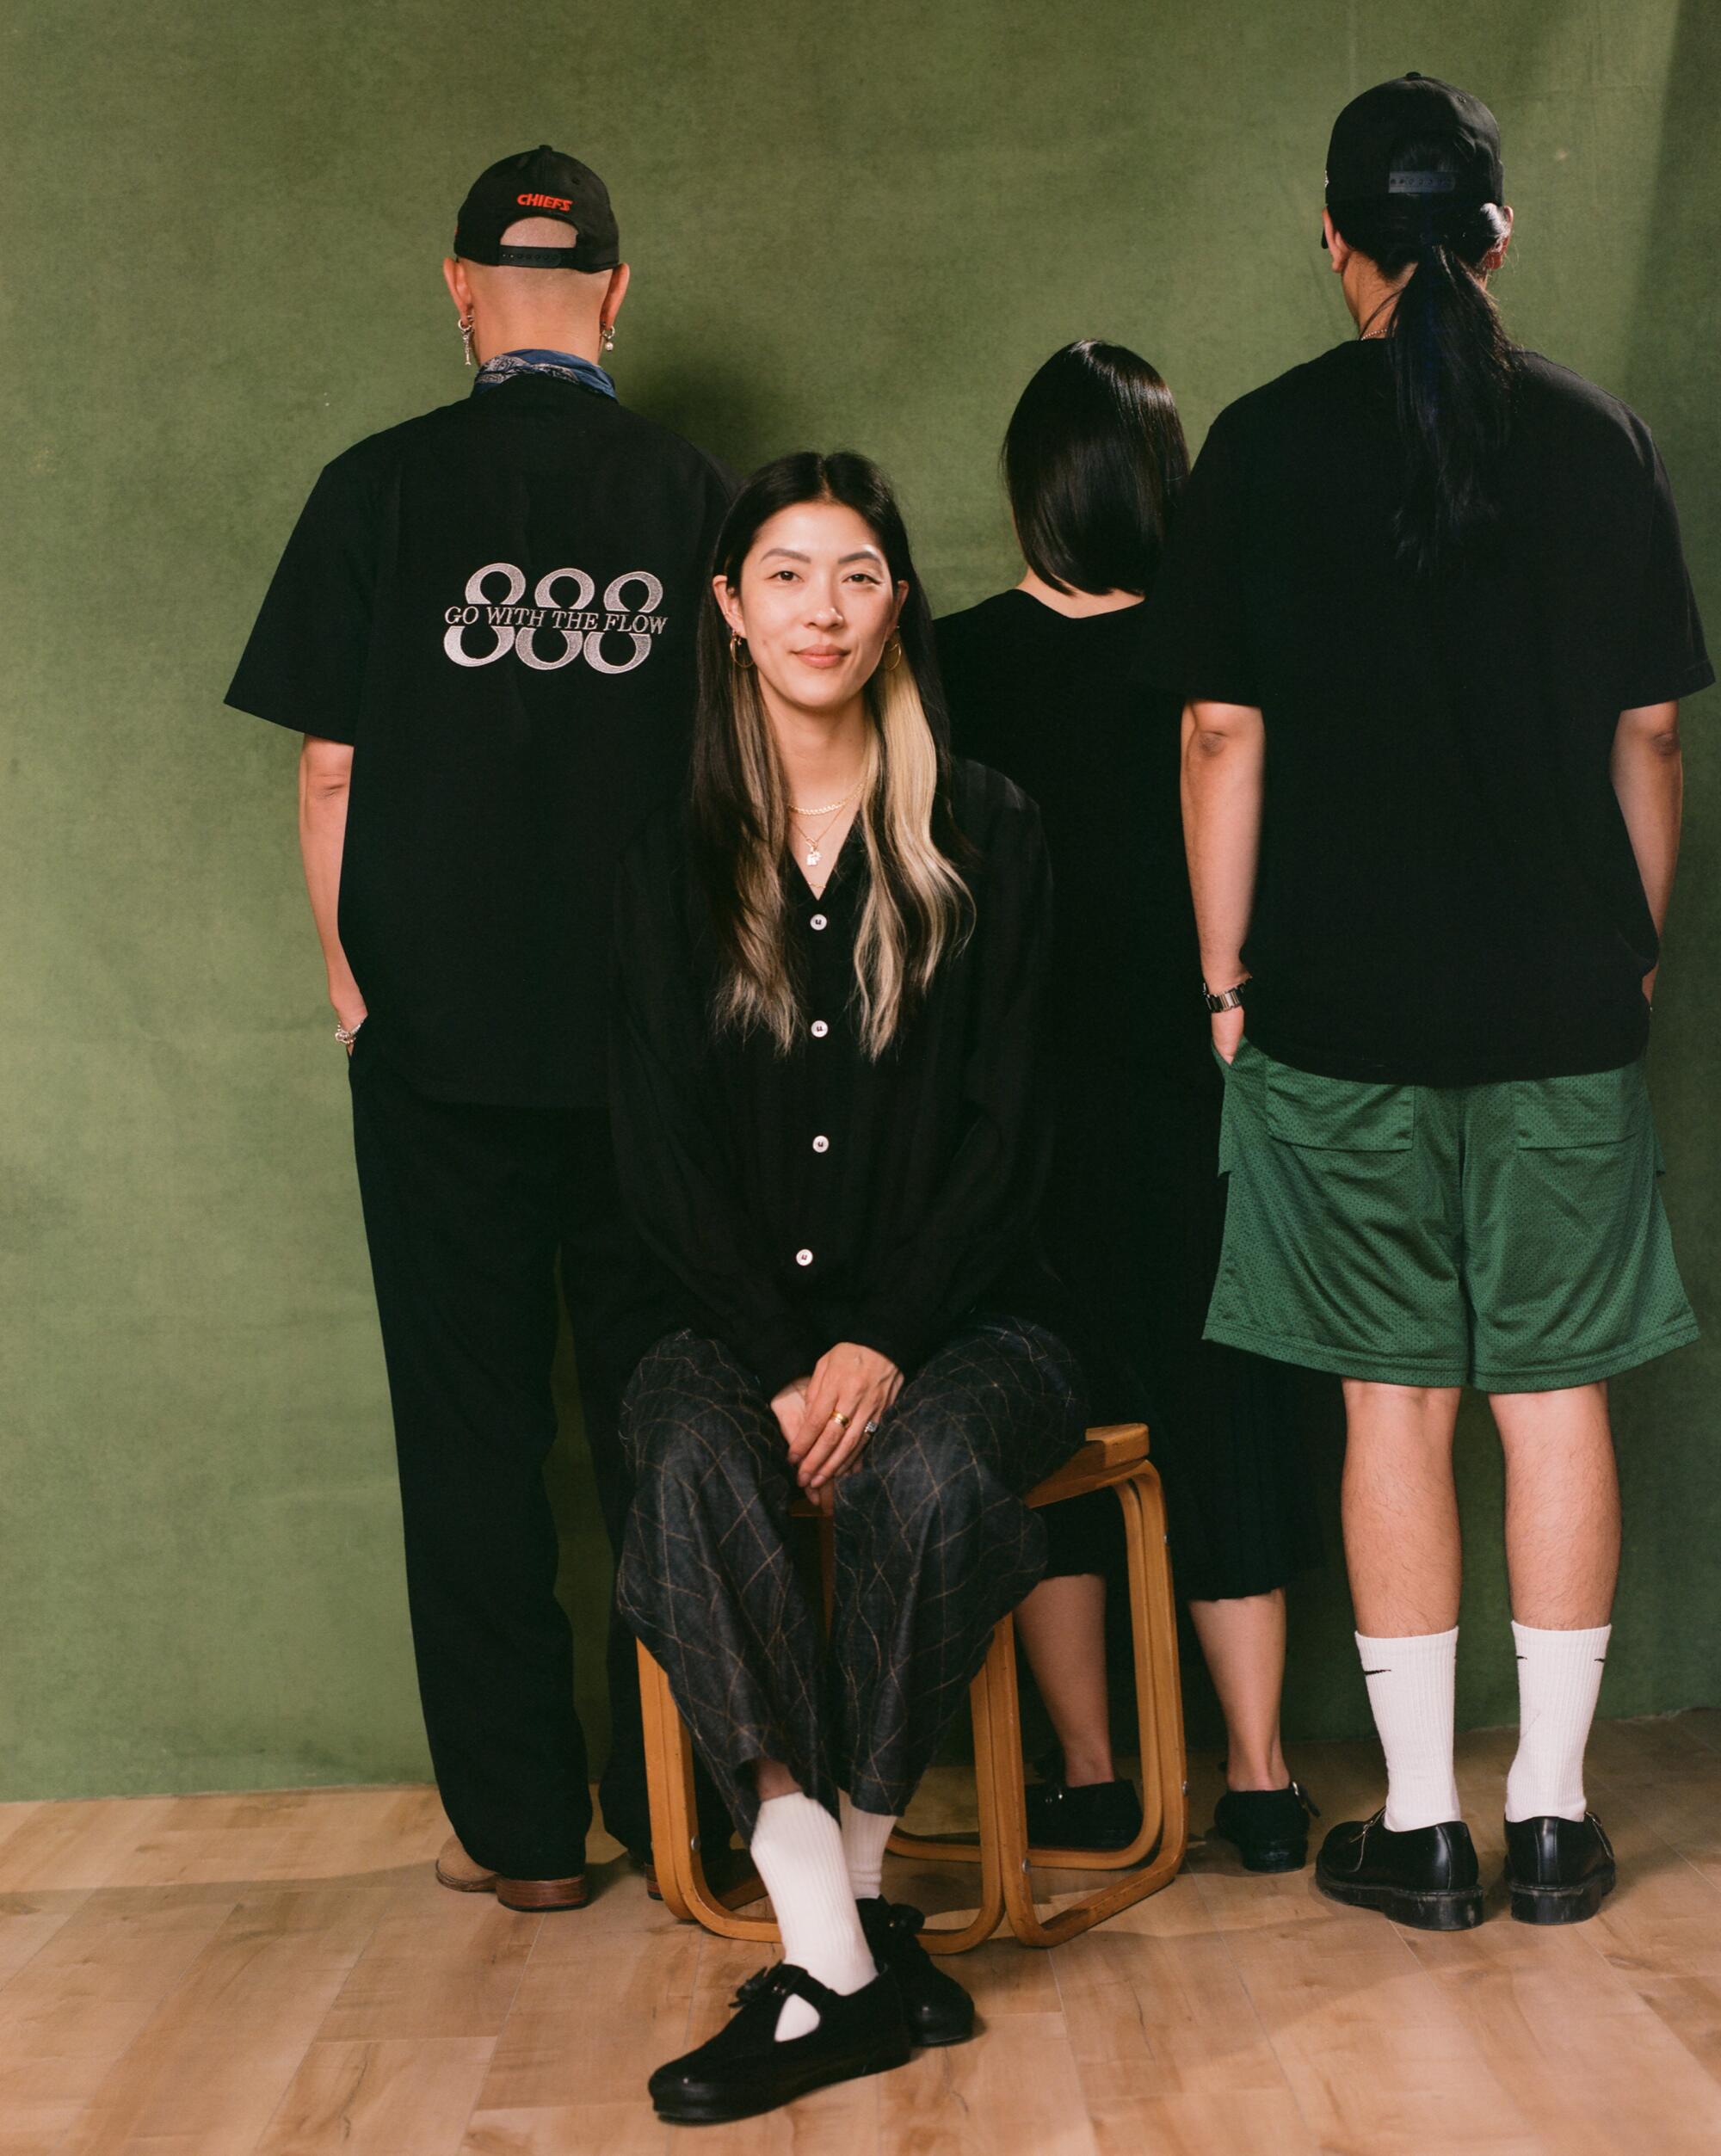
(936, 2008)
(1094, 1815)
(743, 2070)
(1558, 1869)
(1269, 1828)
(1426, 1876)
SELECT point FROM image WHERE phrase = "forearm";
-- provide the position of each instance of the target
(1225, 750)
(323, 793)
(1648, 770)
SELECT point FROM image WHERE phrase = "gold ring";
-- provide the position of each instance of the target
(837, 1415)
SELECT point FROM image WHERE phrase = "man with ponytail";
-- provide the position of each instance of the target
(1426, 604)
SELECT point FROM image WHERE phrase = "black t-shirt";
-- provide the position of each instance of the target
(1055, 702)
(494, 604)
(820, 1196)
(1446, 892)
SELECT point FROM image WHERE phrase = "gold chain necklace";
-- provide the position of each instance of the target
(831, 810)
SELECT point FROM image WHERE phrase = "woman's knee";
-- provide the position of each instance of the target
(931, 1481)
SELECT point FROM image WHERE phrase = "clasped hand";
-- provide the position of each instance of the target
(825, 1417)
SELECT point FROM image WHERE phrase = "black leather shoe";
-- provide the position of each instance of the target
(1426, 1876)
(1559, 1869)
(1093, 1815)
(934, 2006)
(743, 2070)
(1269, 1828)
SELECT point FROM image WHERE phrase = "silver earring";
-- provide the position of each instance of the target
(606, 338)
(467, 339)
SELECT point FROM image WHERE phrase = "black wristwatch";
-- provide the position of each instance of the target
(1230, 1000)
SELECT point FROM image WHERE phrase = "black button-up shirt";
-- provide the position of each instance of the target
(820, 1196)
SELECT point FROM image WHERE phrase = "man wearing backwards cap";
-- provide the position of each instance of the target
(483, 626)
(1442, 577)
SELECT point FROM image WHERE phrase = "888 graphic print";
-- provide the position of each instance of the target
(562, 614)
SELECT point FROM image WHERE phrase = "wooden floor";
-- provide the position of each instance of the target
(218, 1975)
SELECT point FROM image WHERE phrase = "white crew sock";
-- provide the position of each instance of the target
(797, 1847)
(864, 1836)
(1559, 1674)
(1410, 1683)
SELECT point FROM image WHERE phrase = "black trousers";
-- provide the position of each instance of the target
(933, 1545)
(468, 1211)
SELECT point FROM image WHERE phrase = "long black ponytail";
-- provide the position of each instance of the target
(1452, 364)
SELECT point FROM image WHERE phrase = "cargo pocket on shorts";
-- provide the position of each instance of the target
(1601, 1108)
(1338, 1115)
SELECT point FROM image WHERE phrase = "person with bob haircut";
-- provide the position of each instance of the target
(1044, 682)
(832, 961)
(1426, 604)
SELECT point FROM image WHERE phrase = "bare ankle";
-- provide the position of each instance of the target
(1084, 1765)
(1256, 1770)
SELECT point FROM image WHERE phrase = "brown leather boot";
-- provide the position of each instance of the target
(532, 1897)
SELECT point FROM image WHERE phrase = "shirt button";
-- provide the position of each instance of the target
(804, 1257)
(821, 1145)
(819, 1029)
(819, 921)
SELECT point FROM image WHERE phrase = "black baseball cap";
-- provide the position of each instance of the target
(541, 182)
(1363, 157)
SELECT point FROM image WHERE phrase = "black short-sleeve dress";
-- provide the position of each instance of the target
(1134, 1212)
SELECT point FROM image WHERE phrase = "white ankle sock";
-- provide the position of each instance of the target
(864, 1836)
(798, 1848)
(1410, 1683)
(1559, 1674)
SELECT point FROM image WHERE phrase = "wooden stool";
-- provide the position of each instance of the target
(1115, 1458)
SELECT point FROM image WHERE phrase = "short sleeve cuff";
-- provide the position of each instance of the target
(1668, 688)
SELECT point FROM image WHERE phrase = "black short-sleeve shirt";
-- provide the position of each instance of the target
(1447, 891)
(494, 605)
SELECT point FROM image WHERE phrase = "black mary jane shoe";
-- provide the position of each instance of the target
(1102, 1816)
(1268, 1828)
(1425, 1875)
(743, 2070)
(1558, 1869)
(936, 2008)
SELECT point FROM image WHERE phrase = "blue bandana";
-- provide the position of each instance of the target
(569, 364)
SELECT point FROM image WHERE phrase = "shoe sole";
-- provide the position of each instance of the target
(1425, 1909)
(719, 2110)
(928, 2041)
(1562, 1905)
(1275, 1856)
(1286, 1859)
(538, 1901)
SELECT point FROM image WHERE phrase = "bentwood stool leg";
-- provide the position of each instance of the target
(1153, 1624)
(675, 1845)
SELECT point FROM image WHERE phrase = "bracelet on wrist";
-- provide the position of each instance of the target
(1227, 1000)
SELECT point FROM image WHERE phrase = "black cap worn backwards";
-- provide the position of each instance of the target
(540, 182)
(1363, 163)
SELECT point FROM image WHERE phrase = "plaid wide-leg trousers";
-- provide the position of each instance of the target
(933, 1545)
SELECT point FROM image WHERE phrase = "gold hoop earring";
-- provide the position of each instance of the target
(741, 665)
(466, 322)
(893, 654)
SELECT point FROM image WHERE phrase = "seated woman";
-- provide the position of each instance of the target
(831, 962)
(1045, 681)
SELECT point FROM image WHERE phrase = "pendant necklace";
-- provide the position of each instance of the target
(830, 810)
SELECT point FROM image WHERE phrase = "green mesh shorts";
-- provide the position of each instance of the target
(1507, 1236)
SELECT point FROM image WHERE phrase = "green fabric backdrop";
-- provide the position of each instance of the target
(224, 226)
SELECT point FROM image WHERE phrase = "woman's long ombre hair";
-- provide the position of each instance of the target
(918, 908)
